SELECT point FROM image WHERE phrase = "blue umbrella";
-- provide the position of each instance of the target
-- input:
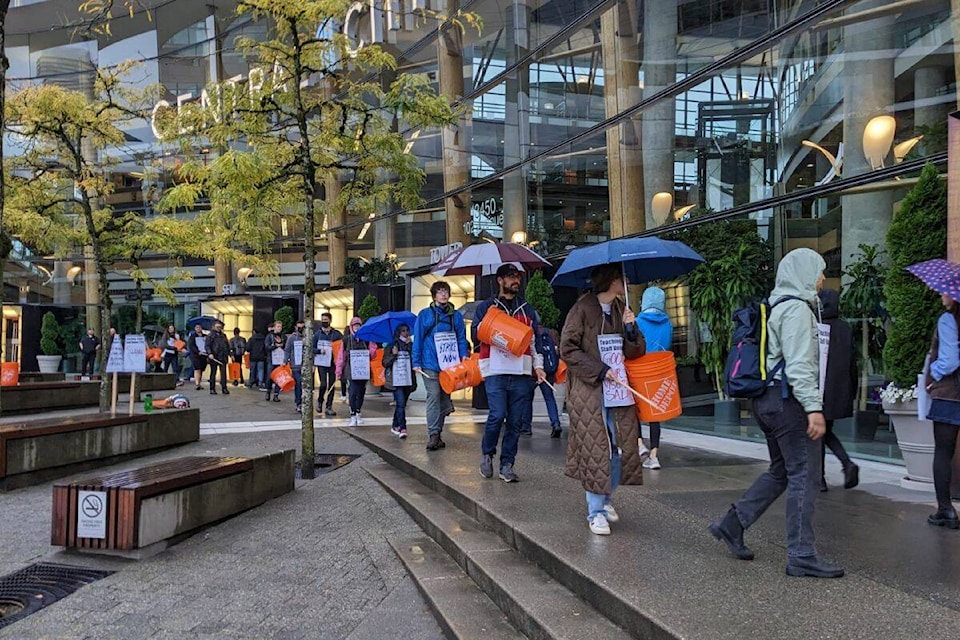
(205, 322)
(643, 260)
(381, 328)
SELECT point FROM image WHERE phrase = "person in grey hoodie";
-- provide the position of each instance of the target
(790, 414)
(655, 326)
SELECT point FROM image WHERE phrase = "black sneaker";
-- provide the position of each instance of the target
(440, 442)
(555, 432)
(851, 476)
(213, 392)
(276, 398)
(486, 466)
(507, 474)
(329, 413)
(813, 567)
(434, 442)
(236, 382)
(946, 518)
(526, 432)
(225, 392)
(199, 387)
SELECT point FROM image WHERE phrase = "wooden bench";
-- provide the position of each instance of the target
(32, 451)
(163, 501)
(36, 397)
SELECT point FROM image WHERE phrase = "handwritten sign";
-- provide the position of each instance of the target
(402, 370)
(611, 354)
(824, 341)
(298, 353)
(92, 514)
(448, 351)
(201, 344)
(359, 364)
(115, 359)
(277, 357)
(134, 354)
(325, 357)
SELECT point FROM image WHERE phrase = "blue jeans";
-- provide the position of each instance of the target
(794, 468)
(400, 397)
(357, 391)
(597, 502)
(271, 385)
(548, 399)
(258, 375)
(508, 396)
(439, 403)
(298, 385)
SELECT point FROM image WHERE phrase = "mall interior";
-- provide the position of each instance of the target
(584, 120)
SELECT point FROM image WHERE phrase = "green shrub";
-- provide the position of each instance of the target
(918, 232)
(285, 315)
(369, 308)
(539, 294)
(49, 332)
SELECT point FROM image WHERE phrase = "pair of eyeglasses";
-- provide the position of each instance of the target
(355, 325)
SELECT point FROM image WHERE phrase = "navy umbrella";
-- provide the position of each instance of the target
(205, 322)
(381, 328)
(642, 260)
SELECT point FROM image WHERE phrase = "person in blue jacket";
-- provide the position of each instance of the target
(655, 325)
(439, 327)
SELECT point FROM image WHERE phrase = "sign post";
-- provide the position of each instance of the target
(114, 366)
(134, 361)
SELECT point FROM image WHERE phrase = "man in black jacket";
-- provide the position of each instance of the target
(258, 358)
(840, 388)
(218, 351)
(89, 346)
(323, 340)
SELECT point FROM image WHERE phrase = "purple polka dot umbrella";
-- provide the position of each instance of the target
(940, 275)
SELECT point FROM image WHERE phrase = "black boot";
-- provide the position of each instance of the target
(813, 567)
(555, 431)
(434, 443)
(823, 485)
(731, 531)
(946, 518)
(851, 476)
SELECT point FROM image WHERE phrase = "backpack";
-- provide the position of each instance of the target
(551, 354)
(745, 374)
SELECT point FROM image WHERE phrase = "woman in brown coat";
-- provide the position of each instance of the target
(602, 451)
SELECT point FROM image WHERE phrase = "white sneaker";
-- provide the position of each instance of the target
(599, 526)
(612, 515)
(353, 420)
(343, 399)
(359, 420)
(651, 463)
(644, 452)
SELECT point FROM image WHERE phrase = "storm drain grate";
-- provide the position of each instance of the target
(327, 462)
(33, 588)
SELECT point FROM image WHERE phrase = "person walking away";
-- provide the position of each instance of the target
(840, 387)
(197, 347)
(603, 440)
(439, 343)
(323, 340)
(654, 324)
(258, 357)
(548, 347)
(509, 379)
(238, 347)
(89, 346)
(171, 353)
(219, 352)
(293, 354)
(943, 385)
(790, 414)
(274, 345)
(353, 365)
(343, 381)
(398, 369)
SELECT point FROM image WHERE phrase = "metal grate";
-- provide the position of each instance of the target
(27, 591)
(327, 462)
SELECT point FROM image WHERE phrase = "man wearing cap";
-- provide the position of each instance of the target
(509, 379)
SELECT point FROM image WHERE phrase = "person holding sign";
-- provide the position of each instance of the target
(197, 347)
(398, 368)
(323, 340)
(218, 351)
(603, 446)
(293, 353)
(353, 364)
(274, 345)
(508, 378)
(171, 351)
(439, 342)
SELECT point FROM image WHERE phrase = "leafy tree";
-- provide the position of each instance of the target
(49, 332)
(862, 302)
(539, 294)
(918, 232)
(285, 315)
(369, 308)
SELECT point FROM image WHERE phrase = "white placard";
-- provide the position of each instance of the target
(504, 363)
(448, 351)
(277, 357)
(324, 359)
(611, 354)
(824, 340)
(403, 370)
(298, 353)
(92, 514)
(201, 344)
(923, 398)
(134, 354)
(115, 359)
(359, 364)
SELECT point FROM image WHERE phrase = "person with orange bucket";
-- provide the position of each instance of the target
(353, 364)
(507, 374)
(603, 439)
(439, 343)
(657, 331)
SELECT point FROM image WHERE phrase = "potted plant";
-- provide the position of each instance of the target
(862, 302)
(918, 232)
(49, 362)
(368, 309)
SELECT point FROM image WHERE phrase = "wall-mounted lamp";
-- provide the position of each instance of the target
(901, 150)
(660, 206)
(680, 213)
(878, 138)
(836, 163)
(243, 273)
(72, 274)
(518, 237)
(42, 269)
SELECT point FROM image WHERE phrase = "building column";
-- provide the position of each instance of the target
(61, 284)
(455, 139)
(868, 82)
(659, 121)
(516, 121)
(621, 90)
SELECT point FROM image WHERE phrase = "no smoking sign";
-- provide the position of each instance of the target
(92, 514)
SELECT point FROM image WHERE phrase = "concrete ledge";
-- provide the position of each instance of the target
(36, 397)
(37, 451)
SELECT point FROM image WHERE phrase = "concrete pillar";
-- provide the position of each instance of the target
(455, 139)
(336, 241)
(659, 72)
(868, 85)
(384, 237)
(926, 82)
(91, 289)
(61, 284)
(516, 124)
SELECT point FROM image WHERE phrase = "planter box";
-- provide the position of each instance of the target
(915, 439)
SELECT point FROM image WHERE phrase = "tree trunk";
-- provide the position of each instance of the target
(306, 369)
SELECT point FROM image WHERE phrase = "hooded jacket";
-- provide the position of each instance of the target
(840, 387)
(653, 321)
(792, 327)
(431, 320)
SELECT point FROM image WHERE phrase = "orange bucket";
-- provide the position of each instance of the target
(655, 376)
(378, 375)
(283, 376)
(561, 375)
(10, 374)
(179, 345)
(464, 375)
(246, 360)
(233, 371)
(154, 355)
(500, 330)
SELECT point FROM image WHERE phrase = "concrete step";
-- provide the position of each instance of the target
(460, 607)
(536, 604)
